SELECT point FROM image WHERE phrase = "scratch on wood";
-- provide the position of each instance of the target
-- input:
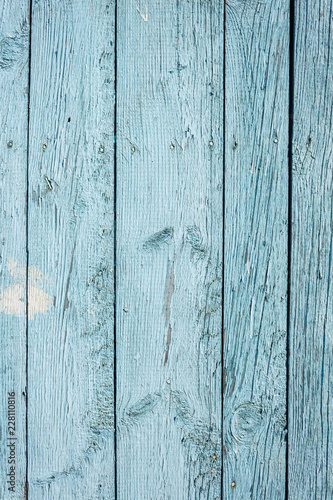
(66, 302)
(169, 292)
(144, 16)
(168, 342)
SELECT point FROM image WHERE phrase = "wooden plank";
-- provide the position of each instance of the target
(311, 313)
(169, 248)
(14, 76)
(71, 219)
(256, 253)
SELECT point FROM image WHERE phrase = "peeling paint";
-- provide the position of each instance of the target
(13, 298)
(39, 301)
(12, 301)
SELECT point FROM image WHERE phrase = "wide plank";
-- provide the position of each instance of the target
(169, 248)
(256, 248)
(70, 242)
(311, 300)
(14, 80)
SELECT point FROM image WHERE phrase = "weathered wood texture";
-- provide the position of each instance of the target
(311, 313)
(70, 243)
(177, 102)
(14, 70)
(169, 249)
(256, 248)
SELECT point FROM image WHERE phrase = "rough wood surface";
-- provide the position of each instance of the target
(169, 249)
(256, 253)
(14, 70)
(176, 102)
(70, 243)
(311, 315)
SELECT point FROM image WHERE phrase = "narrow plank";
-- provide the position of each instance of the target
(14, 76)
(70, 240)
(169, 248)
(311, 314)
(256, 255)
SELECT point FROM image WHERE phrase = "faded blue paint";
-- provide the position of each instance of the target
(177, 154)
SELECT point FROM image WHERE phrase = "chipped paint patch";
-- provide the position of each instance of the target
(39, 301)
(18, 273)
(13, 300)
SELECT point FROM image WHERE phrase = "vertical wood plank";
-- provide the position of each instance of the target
(14, 76)
(169, 248)
(256, 256)
(71, 219)
(311, 316)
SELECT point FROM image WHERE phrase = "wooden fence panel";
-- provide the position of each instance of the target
(169, 248)
(256, 248)
(165, 180)
(70, 243)
(14, 76)
(311, 301)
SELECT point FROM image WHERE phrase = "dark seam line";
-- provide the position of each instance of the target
(223, 245)
(290, 165)
(115, 254)
(27, 268)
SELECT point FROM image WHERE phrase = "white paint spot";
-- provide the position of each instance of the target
(144, 16)
(12, 299)
(39, 301)
(17, 272)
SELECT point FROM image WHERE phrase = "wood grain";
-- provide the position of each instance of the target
(256, 253)
(14, 71)
(311, 315)
(169, 248)
(71, 235)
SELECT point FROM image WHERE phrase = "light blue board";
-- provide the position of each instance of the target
(311, 313)
(171, 165)
(169, 249)
(14, 69)
(71, 219)
(256, 249)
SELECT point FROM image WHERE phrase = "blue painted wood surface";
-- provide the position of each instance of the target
(311, 301)
(70, 245)
(166, 186)
(256, 249)
(14, 76)
(169, 249)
